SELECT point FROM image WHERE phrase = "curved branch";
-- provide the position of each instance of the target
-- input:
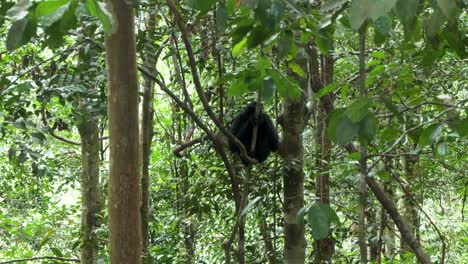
(39, 258)
(198, 87)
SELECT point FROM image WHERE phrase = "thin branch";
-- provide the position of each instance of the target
(52, 133)
(39, 258)
(179, 149)
(198, 87)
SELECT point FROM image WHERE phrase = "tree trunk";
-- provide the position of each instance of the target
(91, 196)
(410, 212)
(403, 227)
(124, 176)
(293, 174)
(146, 138)
(324, 248)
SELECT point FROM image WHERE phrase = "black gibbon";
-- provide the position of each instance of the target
(242, 128)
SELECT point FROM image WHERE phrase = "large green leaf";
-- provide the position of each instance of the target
(16, 34)
(50, 12)
(269, 88)
(320, 217)
(449, 8)
(406, 10)
(99, 10)
(201, 5)
(319, 222)
(237, 88)
(332, 5)
(346, 130)
(19, 10)
(358, 109)
(221, 17)
(430, 135)
(359, 13)
(368, 127)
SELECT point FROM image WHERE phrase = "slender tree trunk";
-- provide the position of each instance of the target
(324, 248)
(403, 227)
(124, 176)
(410, 212)
(363, 161)
(293, 174)
(146, 138)
(269, 251)
(91, 196)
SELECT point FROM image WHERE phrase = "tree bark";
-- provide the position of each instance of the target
(124, 176)
(91, 196)
(324, 248)
(146, 138)
(363, 160)
(403, 227)
(293, 174)
(410, 212)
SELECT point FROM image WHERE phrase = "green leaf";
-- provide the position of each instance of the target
(448, 8)
(384, 25)
(252, 4)
(434, 24)
(300, 216)
(201, 5)
(358, 109)
(250, 205)
(346, 130)
(15, 38)
(56, 252)
(296, 69)
(50, 12)
(406, 10)
(239, 47)
(368, 127)
(330, 5)
(221, 17)
(430, 135)
(38, 136)
(359, 12)
(237, 88)
(20, 123)
(19, 10)
(381, 8)
(328, 89)
(284, 44)
(442, 149)
(231, 7)
(320, 217)
(269, 88)
(335, 117)
(461, 127)
(323, 42)
(100, 11)
(258, 35)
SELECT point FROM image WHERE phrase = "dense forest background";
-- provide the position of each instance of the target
(115, 116)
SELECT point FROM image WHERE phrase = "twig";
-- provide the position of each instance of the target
(198, 87)
(39, 258)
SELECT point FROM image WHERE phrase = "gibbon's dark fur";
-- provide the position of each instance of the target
(242, 128)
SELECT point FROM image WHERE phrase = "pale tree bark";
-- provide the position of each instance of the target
(124, 176)
(91, 196)
(292, 151)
